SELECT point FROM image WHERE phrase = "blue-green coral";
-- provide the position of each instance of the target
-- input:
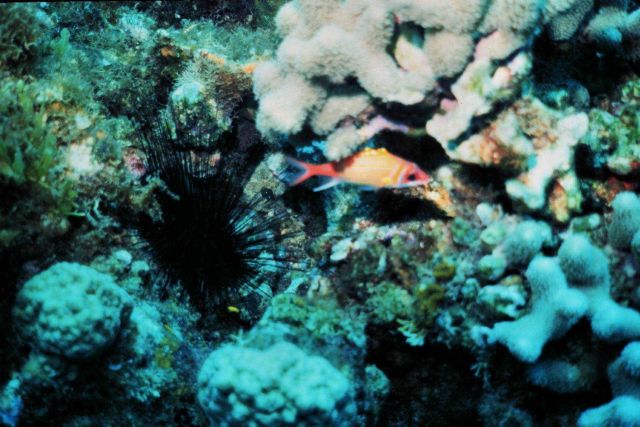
(71, 310)
(280, 385)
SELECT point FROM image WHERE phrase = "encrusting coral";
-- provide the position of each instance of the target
(615, 29)
(614, 129)
(20, 29)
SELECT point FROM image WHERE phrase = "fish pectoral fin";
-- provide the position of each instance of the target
(331, 182)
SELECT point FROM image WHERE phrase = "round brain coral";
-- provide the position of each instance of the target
(279, 386)
(71, 310)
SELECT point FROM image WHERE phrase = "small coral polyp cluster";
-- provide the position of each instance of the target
(169, 276)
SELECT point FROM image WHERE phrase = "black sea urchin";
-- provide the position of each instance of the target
(210, 239)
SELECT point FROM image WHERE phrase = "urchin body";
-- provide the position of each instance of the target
(210, 239)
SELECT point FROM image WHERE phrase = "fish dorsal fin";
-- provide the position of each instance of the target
(368, 151)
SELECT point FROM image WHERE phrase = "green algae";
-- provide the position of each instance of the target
(21, 26)
(30, 162)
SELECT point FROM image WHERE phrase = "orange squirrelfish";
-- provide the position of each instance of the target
(372, 168)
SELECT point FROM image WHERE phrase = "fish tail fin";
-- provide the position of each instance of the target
(303, 172)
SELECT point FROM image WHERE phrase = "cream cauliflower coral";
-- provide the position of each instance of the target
(341, 60)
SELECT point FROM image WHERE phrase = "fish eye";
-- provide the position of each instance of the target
(411, 177)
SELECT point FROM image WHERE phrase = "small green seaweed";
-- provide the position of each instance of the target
(444, 270)
(428, 298)
(27, 148)
(31, 174)
(164, 354)
(60, 46)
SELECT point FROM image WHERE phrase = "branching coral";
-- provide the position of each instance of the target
(563, 18)
(625, 221)
(624, 409)
(586, 268)
(577, 283)
(555, 308)
(616, 29)
(532, 140)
